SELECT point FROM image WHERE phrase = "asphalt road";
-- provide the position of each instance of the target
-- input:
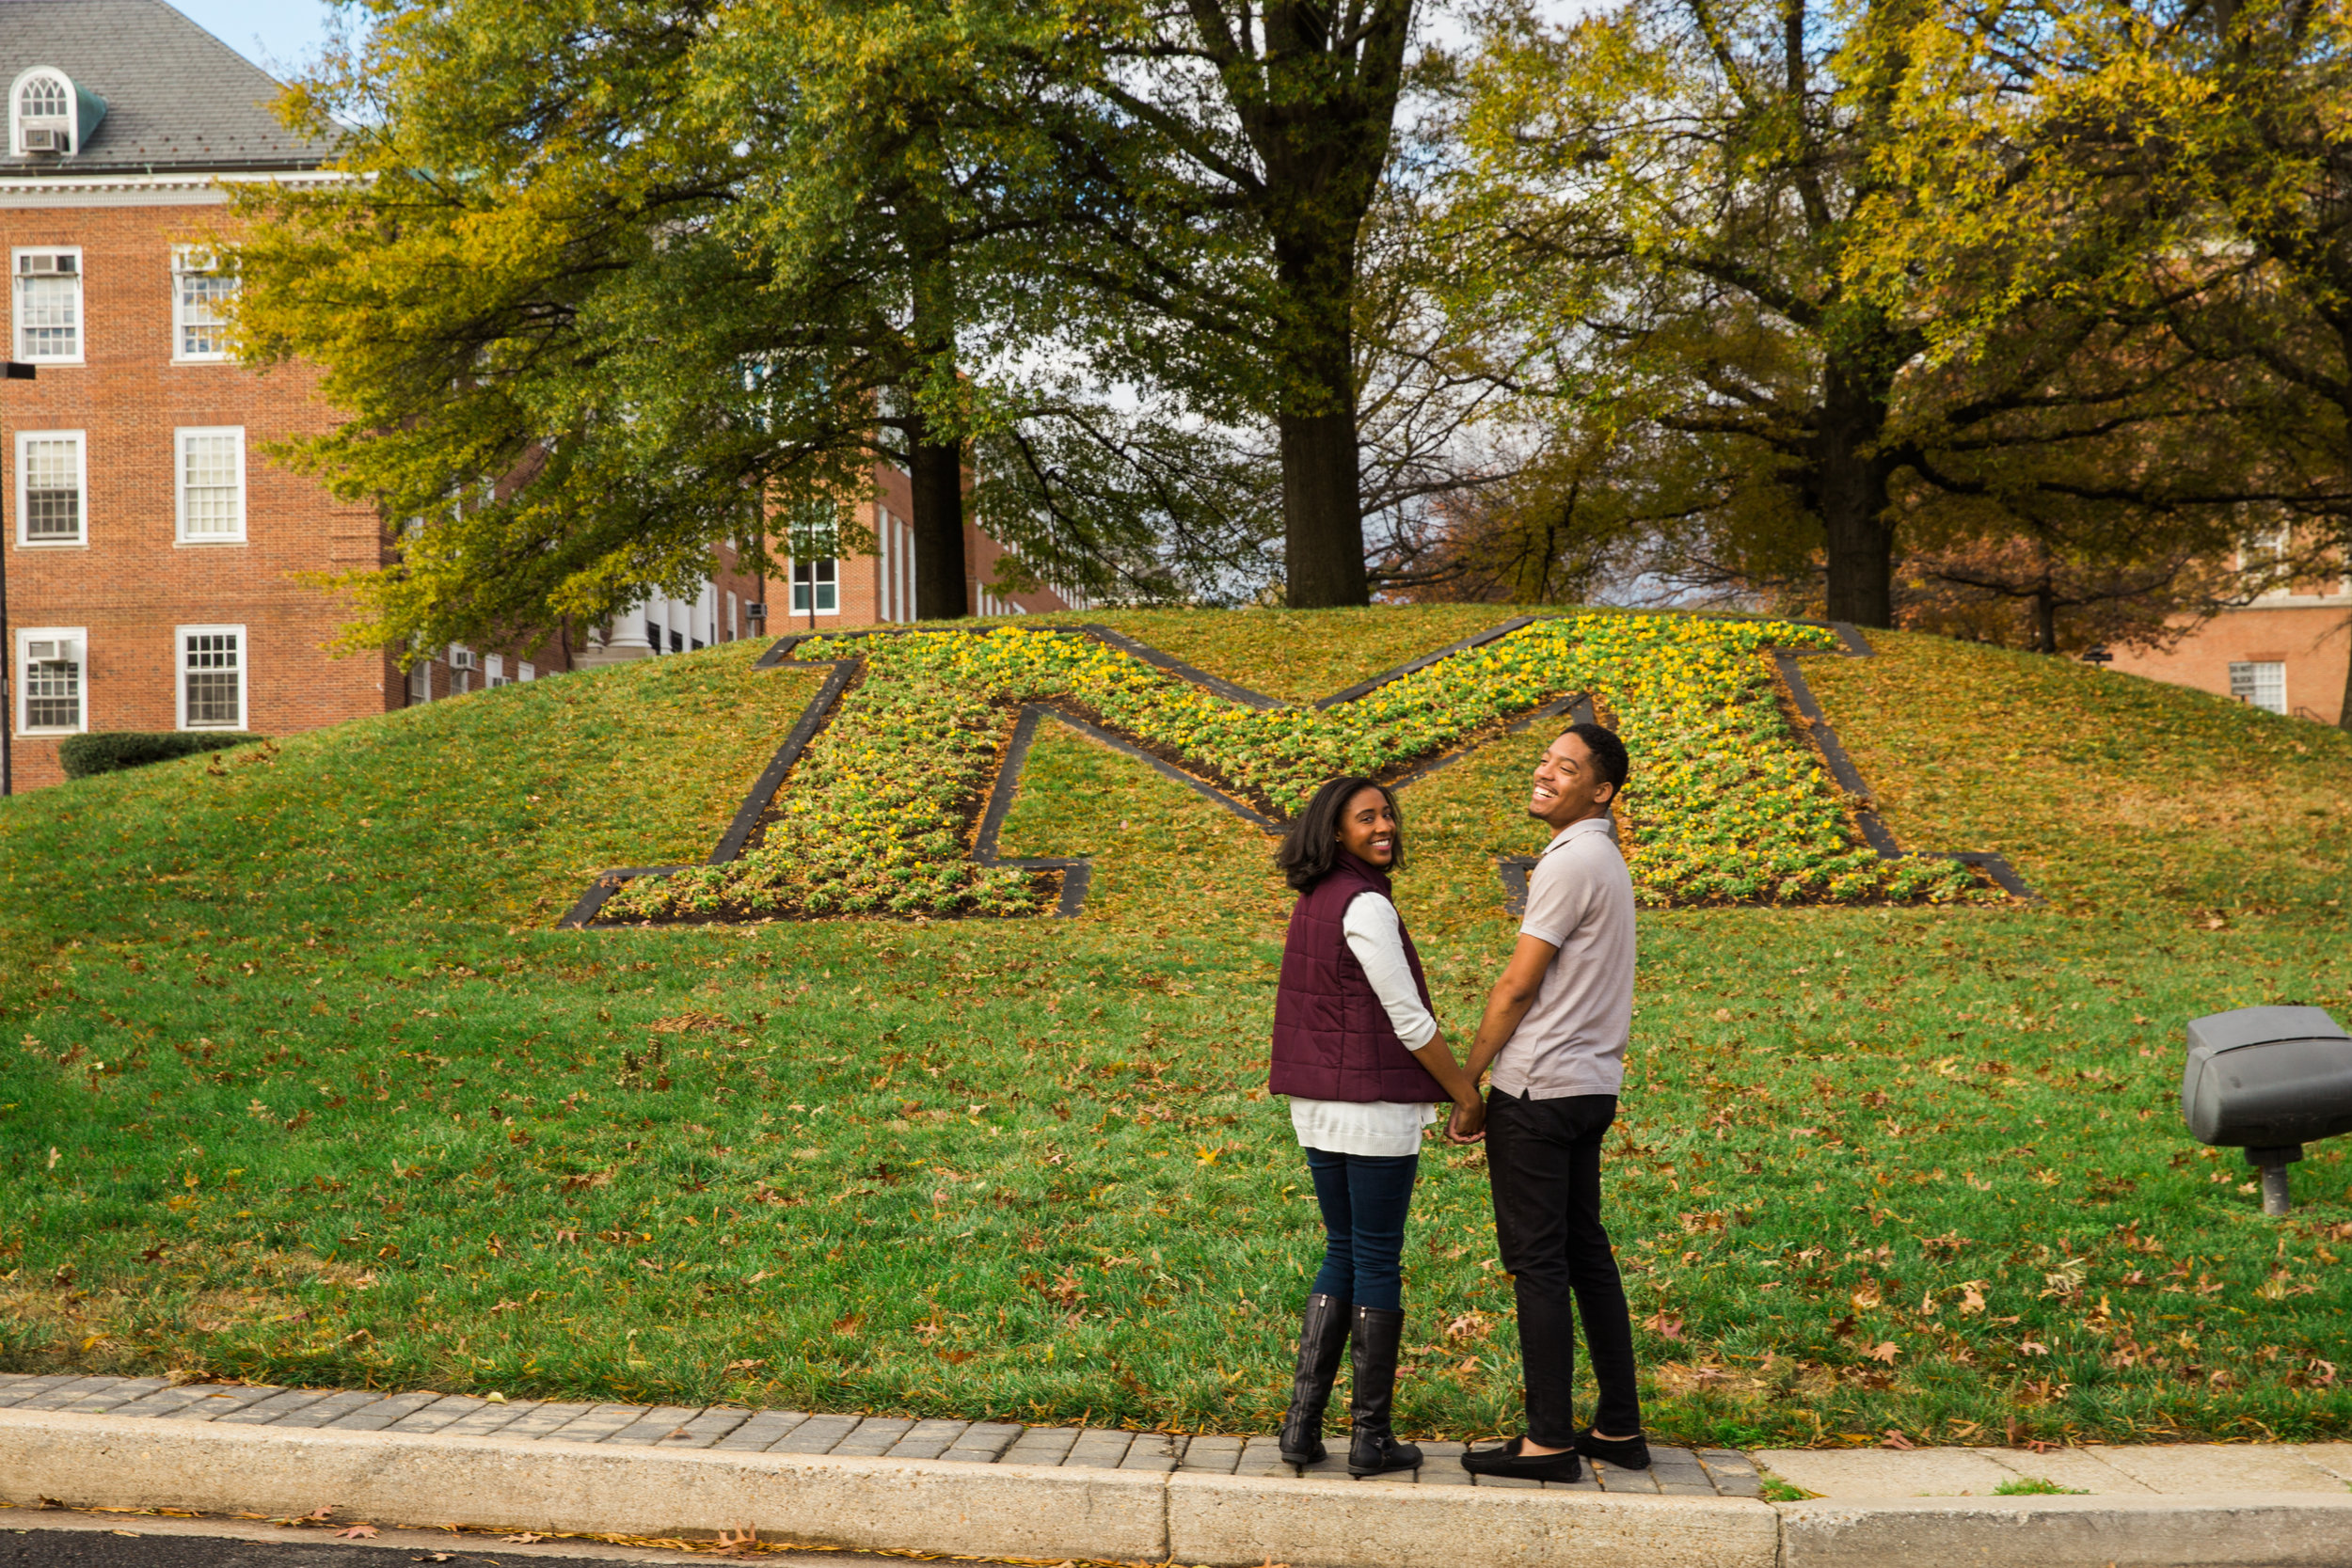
(84, 1548)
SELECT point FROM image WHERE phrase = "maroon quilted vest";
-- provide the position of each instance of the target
(1332, 1039)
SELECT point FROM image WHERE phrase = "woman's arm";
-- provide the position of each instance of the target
(1375, 936)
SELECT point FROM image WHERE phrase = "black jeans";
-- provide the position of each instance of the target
(1365, 1198)
(1543, 1158)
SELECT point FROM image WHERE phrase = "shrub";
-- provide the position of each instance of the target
(109, 750)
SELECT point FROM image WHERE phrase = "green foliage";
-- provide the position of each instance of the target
(2034, 1486)
(1709, 217)
(104, 750)
(1727, 806)
(331, 1104)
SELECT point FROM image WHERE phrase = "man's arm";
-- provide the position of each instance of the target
(1513, 993)
(1522, 977)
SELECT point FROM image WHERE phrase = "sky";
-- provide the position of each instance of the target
(279, 36)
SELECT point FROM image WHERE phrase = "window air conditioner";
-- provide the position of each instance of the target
(44, 140)
(460, 656)
(46, 265)
(47, 649)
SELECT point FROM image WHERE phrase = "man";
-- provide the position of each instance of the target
(1555, 1031)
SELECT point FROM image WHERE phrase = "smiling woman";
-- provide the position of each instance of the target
(1358, 1050)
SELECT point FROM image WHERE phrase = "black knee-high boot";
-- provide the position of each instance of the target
(1373, 1447)
(1322, 1335)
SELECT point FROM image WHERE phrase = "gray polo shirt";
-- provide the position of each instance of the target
(1581, 900)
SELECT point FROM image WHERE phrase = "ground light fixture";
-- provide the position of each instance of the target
(2268, 1081)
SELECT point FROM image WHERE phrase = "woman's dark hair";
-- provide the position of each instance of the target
(1312, 843)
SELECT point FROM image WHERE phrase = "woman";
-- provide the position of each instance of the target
(1357, 1050)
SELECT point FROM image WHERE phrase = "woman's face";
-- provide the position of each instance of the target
(1368, 828)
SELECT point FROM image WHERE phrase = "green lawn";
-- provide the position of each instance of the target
(303, 1088)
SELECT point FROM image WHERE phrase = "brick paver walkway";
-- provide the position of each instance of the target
(1705, 1472)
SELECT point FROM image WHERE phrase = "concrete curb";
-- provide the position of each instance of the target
(1042, 1511)
(1352, 1524)
(2217, 1530)
(1023, 1511)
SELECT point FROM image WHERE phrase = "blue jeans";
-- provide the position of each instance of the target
(1365, 1198)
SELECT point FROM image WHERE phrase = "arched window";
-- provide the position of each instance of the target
(43, 98)
(41, 112)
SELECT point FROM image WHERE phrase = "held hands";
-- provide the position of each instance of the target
(1468, 1124)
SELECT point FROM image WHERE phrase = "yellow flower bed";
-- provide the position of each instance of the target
(1725, 803)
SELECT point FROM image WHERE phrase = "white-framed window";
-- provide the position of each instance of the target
(493, 671)
(210, 460)
(732, 623)
(421, 682)
(48, 305)
(201, 290)
(461, 667)
(2261, 682)
(212, 678)
(52, 680)
(523, 671)
(41, 112)
(817, 584)
(52, 484)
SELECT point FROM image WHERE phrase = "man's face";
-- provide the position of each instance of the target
(1568, 785)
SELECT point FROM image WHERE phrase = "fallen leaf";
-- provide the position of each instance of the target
(357, 1532)
(1665, 1324)
(1885, 1350)
(1895, 1439)
(2032, 1347)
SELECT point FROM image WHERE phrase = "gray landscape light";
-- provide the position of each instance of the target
(2268, 1081)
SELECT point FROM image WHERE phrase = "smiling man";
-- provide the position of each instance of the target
(1555, 1031)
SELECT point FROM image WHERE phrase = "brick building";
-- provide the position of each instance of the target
(149, 544)
(154, 555)
(2286, 651)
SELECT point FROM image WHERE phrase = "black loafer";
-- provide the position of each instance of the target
(1508, 1463)
(1626, 1454)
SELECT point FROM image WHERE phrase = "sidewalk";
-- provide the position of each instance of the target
(947, 1487)
(1714, 1472)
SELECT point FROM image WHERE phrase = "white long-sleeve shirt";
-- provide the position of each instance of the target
(1380, 1127)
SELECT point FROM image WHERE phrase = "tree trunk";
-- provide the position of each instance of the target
(936, 471)
(1849, 482)
(1323, 513)
(934, 457)
(1323, 526)
(1316, 94)
(2344, 715)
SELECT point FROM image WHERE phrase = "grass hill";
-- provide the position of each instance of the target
(300, 1085)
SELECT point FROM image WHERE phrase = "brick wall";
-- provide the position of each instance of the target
(2312, 639)
(134, 581)
(877, 587)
